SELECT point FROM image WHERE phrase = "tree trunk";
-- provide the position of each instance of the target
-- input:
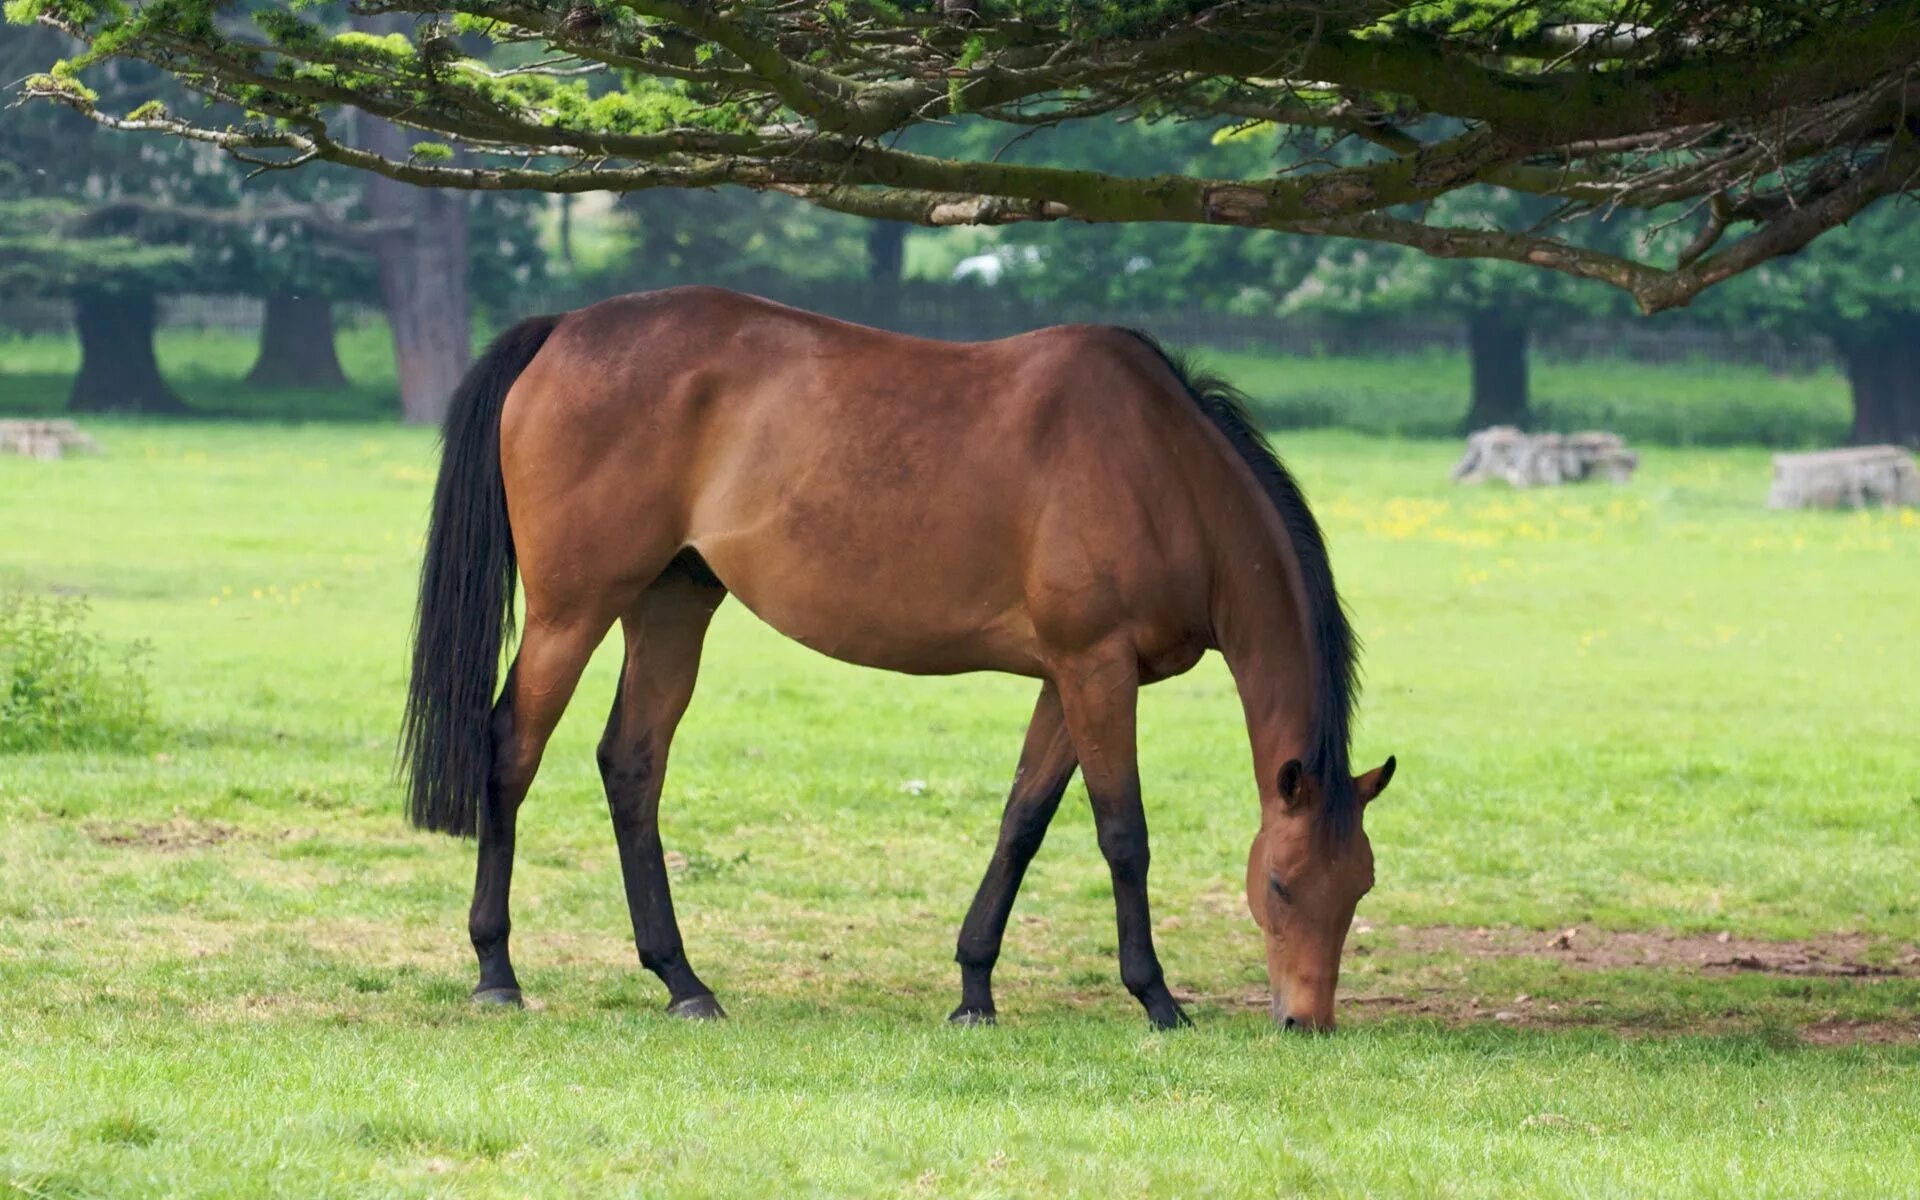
(1883, 367)
(423, 265)
(118, 372)
(423, 281)
(886, 250)
(1497, 347)
(296, 345)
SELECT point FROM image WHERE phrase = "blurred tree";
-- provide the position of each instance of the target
(1145, 266)
(1860, 288)
(114, 222)
(1500, 304)
(89, 217)
(886, 250)
(53, 247)
(422, 256)
(300, 266)
(1155, 266)
(738, 238)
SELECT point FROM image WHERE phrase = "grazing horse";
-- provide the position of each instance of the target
(1070, 505)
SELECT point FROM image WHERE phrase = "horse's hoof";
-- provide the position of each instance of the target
(970, 1016)
(1171, 1017)
(698, 1008)
(498, 997)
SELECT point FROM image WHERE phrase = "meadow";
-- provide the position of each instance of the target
(1646, 918)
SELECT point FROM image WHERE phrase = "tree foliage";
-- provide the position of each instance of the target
(1776, 118)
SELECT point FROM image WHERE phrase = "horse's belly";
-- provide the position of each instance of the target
(898, 616)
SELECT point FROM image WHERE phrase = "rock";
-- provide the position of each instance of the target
(1857, 477)
(1544, 459)
(44, 439)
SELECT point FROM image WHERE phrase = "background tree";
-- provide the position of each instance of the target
(113, 222)
(1141, 267)
(1499, 304)
(51, 248)
(1144, 267)
(301, 267)
(101, 220)
(736, 238)
(1860, 288)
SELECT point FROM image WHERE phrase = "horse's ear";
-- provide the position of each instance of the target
(1375, 781)
(1290, 776)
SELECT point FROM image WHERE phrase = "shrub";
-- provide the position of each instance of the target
(61, 686)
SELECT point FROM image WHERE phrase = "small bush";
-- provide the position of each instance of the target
(62, 687)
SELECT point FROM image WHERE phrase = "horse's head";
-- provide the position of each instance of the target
(1302, 887)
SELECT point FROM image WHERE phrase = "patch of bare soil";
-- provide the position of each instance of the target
(167, 837)
(1832, 955)
(1835, 956)
(1856, 1033)
(1453, 1007)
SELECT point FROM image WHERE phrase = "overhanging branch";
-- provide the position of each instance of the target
(1781, 118)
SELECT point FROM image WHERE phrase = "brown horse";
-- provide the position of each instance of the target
(1068, 505)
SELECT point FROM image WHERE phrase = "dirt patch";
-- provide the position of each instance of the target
(1833, 955)
(1855, 1033)
(1452, 1007)
(167, 837)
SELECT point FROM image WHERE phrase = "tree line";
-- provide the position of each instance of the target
(113, 220)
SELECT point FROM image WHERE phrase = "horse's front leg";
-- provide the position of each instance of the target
(1098, 694)
(1046, 766)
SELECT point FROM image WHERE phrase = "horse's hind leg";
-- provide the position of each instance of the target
(1046, 766)
(538, 685)
(664, 633)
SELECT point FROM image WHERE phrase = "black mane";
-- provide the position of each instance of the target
(1335, 650)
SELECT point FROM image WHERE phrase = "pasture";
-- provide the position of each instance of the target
(1659, 717)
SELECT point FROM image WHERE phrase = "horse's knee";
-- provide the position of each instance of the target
(488, 931)
(976, 951)
(1124, 845)
(1024, 832)
(513, 770)
(625, 762)
(1140, 971)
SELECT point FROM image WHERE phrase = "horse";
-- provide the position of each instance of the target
(1073, 505)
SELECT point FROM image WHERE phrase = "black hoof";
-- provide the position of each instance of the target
(1169, 1016)
(502, 997)
(697, 1008)
(970, 1016)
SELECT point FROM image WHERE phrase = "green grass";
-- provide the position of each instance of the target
(227, 968)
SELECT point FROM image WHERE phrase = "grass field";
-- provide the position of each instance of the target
(1655, 715)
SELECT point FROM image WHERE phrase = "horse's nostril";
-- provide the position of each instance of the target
(1293, 1023)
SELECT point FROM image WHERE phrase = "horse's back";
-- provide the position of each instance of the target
(889, 500)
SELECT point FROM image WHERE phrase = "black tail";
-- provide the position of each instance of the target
(466, 597)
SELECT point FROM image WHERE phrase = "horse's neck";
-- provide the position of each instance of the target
(1257, 622)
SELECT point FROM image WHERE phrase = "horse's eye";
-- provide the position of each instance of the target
(1279, 889)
